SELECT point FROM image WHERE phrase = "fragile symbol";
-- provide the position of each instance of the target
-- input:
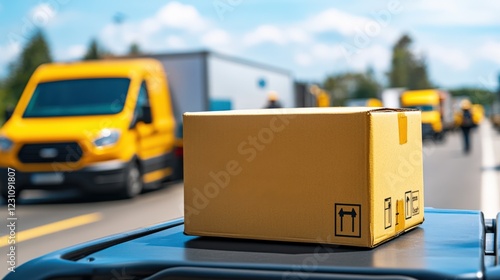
(388, 212)
(348, 220)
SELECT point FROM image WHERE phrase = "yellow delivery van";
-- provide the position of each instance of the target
(364, 102)
(98, 126)
(428, 101)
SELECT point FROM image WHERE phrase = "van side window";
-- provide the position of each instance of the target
(142, 100)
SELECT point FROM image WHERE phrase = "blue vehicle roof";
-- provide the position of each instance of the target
(449, 244)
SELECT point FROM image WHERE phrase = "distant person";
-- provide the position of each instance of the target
(272, 100)
(322, 97)
(466, 125)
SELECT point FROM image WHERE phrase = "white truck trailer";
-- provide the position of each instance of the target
(209, 81)
(391, 97)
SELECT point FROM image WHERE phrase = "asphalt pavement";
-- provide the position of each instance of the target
(49, 221)
(456, 180)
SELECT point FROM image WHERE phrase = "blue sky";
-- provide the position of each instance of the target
(460, 39)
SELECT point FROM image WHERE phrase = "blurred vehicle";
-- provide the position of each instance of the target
(100, 126)
(209, 81)
(437, 110)
(495, 114)
(450, 244)
(391, 97)
(477, 113)
(364, 102)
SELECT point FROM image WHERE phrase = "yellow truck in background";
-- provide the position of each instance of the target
(437, 110)
(103, 127)
(477, 113)
(364, 102)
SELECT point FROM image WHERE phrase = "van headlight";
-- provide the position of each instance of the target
(5, 144)
(107, 137)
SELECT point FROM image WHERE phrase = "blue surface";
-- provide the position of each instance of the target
(448, 245)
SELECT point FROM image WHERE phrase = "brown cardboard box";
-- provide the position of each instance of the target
(346, 176)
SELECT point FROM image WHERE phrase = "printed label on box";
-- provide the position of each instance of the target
(348, 220)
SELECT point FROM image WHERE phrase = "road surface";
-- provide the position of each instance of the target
(50, 221)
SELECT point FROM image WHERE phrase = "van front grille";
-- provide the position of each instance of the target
(50, 152)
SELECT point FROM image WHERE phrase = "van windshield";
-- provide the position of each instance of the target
(423, 108)
(82, 97)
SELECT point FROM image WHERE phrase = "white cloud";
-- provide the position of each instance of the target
(9, 52)
(377, 56)
(303, 59)
(118, 38)
(452, 57)
(335, 20)
(490, 51)
(179, 26)
(305, 32)
(174, 21)
(72, 53)
(185, 17)
(324, 52)
(318, 53)
(265, 34)
(150, 26)
(112, 38)
(275, 35)
(216, 38)
(457, 12)
(175, 42)
(298, 35)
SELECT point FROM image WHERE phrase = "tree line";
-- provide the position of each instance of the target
(407, 69)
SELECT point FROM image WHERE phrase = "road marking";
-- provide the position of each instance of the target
(489, 186)
(52, 228)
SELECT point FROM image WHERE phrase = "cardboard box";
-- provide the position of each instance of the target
(345, 176)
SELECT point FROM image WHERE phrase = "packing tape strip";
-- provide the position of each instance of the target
(400, 217)
(403, 128)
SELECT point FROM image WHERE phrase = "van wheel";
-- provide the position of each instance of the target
(133, 183)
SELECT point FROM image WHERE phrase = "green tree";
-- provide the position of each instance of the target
(94, 51)
(3, 104)
(35, 52)
(400, 63)
(407, 69)
(418, 78)
(476, 95)
(366, 85)
(352, 85)
(134, 49)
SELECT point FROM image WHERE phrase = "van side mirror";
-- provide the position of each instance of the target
(8, 113)
(146, 116)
